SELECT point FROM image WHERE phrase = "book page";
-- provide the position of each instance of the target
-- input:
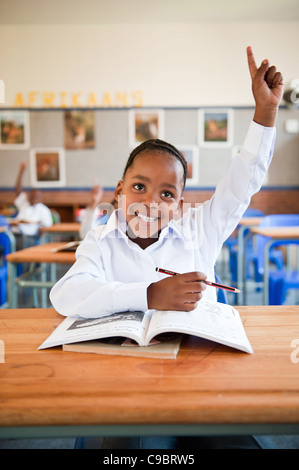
(211, 320)
(127, 324)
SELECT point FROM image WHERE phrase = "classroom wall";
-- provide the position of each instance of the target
(177, 67)
(106, 161)
(181, 65)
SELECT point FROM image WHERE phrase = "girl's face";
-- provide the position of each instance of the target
(151, 195)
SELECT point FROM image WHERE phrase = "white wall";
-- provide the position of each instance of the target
(168, 65)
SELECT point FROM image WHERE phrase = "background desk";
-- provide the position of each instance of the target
(70, 229)
(36, 254)
(208, 389)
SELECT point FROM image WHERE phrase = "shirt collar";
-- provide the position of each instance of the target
(116, 224)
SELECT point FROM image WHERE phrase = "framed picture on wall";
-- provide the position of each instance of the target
(191, 154)
(14, 130)
(144, 125)
(79, 130)
(215, 128)
(47, 167)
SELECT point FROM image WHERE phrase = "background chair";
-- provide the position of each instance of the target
(3, 221)
(5, 249)
(282, 279)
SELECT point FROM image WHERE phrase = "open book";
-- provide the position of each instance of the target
(210, 320)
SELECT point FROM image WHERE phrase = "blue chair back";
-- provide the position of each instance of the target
(253, 213)
(3, 221)
(280, 220)
(5, 249)
(275, 220)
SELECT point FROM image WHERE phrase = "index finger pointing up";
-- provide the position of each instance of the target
(251, 62)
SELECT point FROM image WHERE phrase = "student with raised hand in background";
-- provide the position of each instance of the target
(96, 213)
(32, 213)
(115, 266)
(91, 213)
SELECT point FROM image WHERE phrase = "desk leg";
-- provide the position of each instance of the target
(44, 238)
(244, 272)
(53, 271)
(240, 267)
(44, 290)
(266, 271)
(12, 285)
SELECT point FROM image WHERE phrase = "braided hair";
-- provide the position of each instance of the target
(157, 146)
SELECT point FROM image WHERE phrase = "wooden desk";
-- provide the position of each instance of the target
(208, 389)
(250, 221)
(282, 233)
(70, 228)
(36, 254)
(275, 234)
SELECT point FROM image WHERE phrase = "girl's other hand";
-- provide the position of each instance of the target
(180, 292)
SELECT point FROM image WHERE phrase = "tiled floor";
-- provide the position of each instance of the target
(266, 442)
(37, 444)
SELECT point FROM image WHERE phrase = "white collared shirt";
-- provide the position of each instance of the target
(37, 215)
(112, 273)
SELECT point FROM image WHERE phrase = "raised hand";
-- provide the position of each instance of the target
(23, 166)
(96, 195)
(267, 88)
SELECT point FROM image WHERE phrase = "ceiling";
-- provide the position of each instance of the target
(146, 11)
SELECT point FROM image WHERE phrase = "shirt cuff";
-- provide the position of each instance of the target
(131, 296)
(259, 139)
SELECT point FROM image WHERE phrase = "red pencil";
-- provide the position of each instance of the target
(208, 283)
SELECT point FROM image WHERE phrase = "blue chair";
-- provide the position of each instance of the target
(281, 279)
(5, 249)
(3, 221)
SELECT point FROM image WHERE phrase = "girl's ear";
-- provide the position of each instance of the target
(118, 189)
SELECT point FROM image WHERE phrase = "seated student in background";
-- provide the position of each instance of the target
(115, 264)
(32, 213)
(95, 215)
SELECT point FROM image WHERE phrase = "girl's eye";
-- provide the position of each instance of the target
(167, 194)
(138, 186)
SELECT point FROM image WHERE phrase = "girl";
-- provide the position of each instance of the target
(115, 265)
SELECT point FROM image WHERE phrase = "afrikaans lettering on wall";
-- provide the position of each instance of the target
(67, 99)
